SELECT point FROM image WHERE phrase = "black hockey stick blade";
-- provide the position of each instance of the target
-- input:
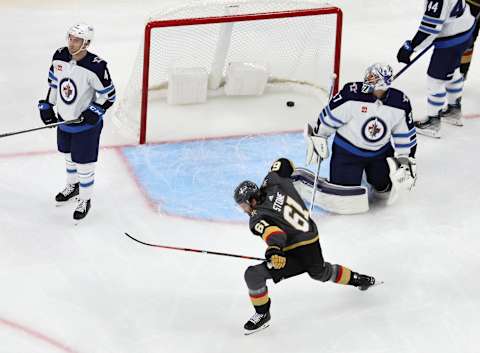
(194, 250)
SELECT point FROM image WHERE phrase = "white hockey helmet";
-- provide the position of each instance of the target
(83, 31)
(377, 77)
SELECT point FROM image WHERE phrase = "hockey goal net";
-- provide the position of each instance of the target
(300, 41)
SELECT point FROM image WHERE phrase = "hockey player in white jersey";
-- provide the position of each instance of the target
(80, 86)
(374, 133)
(449, 25)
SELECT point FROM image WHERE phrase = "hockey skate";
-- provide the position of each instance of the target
(82, 209)
(362, 282)
(257, 323)
(69, 193)
(430, 127)
(453, 114)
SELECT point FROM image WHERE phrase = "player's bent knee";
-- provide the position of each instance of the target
(256, 276)
(322, 273)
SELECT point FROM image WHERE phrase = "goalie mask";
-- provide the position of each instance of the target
(82, 31)
(245, 191)
(378, 77)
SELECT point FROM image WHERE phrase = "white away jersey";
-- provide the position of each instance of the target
(446, 23)
(365, 125)
(74, 85)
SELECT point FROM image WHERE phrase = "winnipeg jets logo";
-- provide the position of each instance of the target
(68, 90)
(374, 129)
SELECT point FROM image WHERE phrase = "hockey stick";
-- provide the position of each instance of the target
(411, 62)
(330, 94)
(315, 182)
(194, 250)
(79, 120)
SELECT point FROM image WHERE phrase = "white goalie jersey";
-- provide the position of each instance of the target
(366, 126)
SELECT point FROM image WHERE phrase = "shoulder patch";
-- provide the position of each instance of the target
(351, 91)
(398, 99)
(62, 54)
(95, 64)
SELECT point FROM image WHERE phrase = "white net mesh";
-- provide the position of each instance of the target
(300, 51)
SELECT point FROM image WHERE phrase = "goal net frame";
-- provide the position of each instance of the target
(155, 24)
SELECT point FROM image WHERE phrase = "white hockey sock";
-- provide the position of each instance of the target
(86, 176)
(455, 87)
(71, 167)
(436, 96)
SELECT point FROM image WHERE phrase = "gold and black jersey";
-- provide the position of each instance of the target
(281, 217)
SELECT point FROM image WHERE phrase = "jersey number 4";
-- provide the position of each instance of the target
(296, 215)
(458, 9)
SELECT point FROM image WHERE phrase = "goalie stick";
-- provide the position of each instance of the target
(312, 201)
(194, 250)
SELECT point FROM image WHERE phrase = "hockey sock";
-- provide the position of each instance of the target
(71, 167)
(454, 87)
(86, 176)
(340, 274)
(436, 96)
(260, 300)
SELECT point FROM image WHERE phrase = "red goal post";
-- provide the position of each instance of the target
(151, 26)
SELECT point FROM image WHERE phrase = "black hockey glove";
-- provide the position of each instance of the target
(92, 114)
(46, 112)
(276, 257)
(404, 53)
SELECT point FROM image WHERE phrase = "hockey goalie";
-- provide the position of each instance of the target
(373, 133)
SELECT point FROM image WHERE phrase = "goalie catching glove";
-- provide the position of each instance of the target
(317, 146)
(276, 257)
(403, 172)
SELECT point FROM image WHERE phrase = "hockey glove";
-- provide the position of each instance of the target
(317, 146)
(404, 53)
(46, 112)
(276, 257)
(93, 114)
(403, 172)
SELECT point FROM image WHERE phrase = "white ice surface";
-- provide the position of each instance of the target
(89, 289)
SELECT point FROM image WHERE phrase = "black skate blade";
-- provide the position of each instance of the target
(261, 328)
(76, 222)
(68, 202)
(377, 283)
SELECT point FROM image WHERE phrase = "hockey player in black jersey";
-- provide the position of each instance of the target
(80, 87)
(278, 215)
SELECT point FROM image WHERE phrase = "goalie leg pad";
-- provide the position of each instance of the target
(331, 197)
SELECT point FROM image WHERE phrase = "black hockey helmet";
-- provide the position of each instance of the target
(245, 191)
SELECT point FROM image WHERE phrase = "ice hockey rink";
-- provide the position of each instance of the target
(90, 289)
